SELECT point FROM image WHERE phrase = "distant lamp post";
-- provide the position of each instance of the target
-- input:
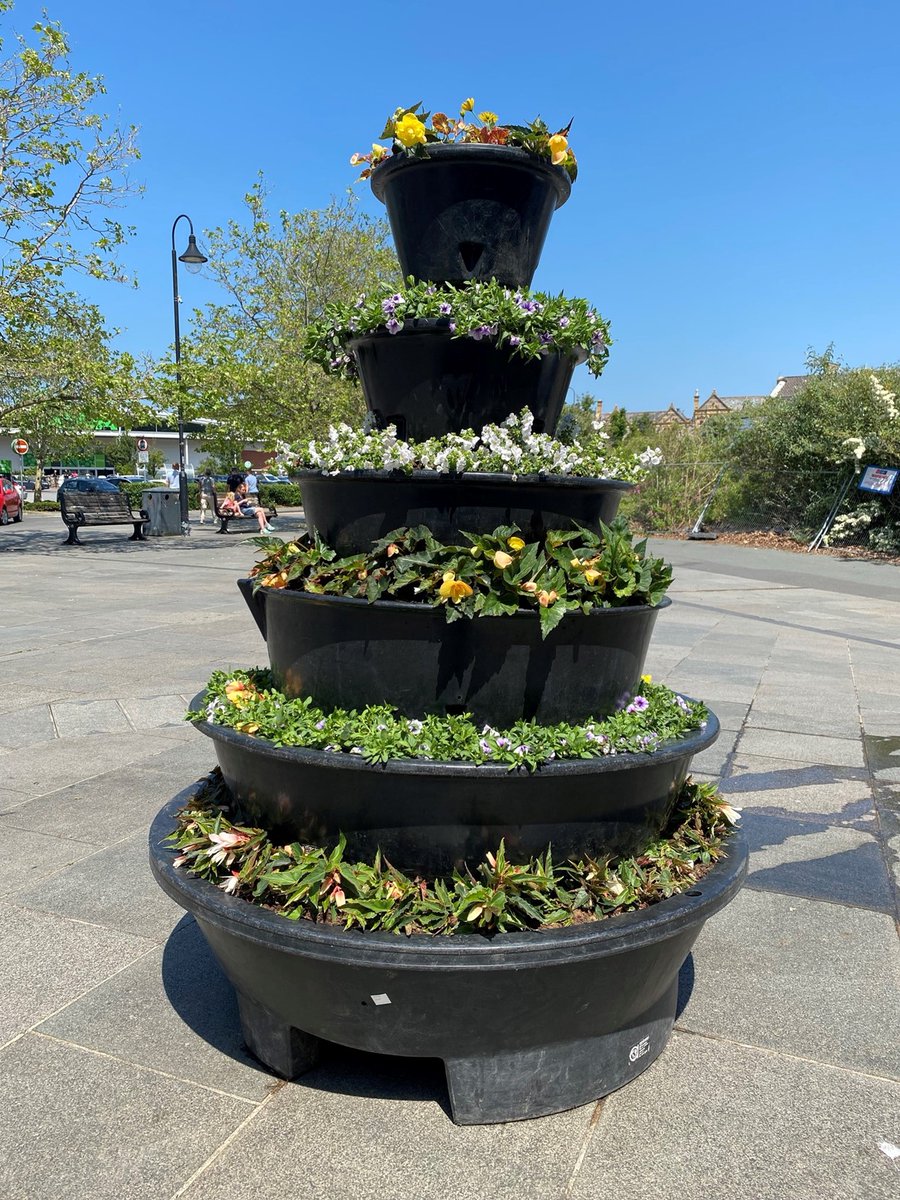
(193, 259)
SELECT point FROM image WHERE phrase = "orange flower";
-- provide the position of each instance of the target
(502, 560)
(545, 599)
(239, 692)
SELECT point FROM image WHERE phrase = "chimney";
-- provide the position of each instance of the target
(598, 412)
(696, 400)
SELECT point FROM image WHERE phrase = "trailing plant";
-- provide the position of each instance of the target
(511, 448)
(492, 575)
(412, 130)
(250, 702)
(528, 324)
(489, 897)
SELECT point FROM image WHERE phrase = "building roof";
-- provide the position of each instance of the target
(788, 386)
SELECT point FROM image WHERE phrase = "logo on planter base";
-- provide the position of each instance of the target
(638, 1051)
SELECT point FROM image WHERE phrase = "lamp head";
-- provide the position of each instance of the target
(193, 258)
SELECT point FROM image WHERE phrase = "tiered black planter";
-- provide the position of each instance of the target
(530, 1023)
(470, 212)
(353, 509)
(428, 382)
(346, 653)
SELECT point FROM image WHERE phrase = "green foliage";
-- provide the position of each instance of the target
(64, 166)
(618, 426)
(249, 702)
(578, 421)
(241, 362)
(490, 897)
(280, 494)
(527, 324)
(493, 574)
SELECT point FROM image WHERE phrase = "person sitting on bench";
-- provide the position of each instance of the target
(241, 505)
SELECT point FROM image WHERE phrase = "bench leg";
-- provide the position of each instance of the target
(223, 524)
(72, 539)
(138, 535)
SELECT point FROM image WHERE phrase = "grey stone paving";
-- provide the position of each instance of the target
(122, 1072)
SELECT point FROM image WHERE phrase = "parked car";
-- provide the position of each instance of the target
(88, 483)
(11, 506)
(264, 477)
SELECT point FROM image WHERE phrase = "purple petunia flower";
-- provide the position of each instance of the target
(563, 322)
(482, 331)
(529, 306)
(445, 309)
(597, 338)
(320, 724)
(502, 742)
(453, 327)
(393, 325)
(545, 338)
(486, 747)
(515, 341)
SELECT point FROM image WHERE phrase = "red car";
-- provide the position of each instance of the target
(10, 501)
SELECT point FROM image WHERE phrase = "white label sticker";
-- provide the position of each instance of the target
(381, 998)
(639, 1050)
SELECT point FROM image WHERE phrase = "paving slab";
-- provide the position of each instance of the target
(798, 747)
(172, 1008)
(714, 760)
(821, 862)
(149, 712)
(79, 1126)
(101, 810)
(49, 961)
(112, 887)
(389, 1136)
(714, 1119)
(804, 977)
(782, 787)
(25, 726)
(75, 718)
(29, 857)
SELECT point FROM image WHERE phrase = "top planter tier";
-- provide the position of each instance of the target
(470, 212)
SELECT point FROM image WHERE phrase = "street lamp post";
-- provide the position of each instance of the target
(193, 259)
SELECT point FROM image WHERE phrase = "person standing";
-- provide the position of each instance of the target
(172, 476)
(252, 484)
(207, 488)
(235, 479)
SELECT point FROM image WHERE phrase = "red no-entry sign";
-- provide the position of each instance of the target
(20, 446)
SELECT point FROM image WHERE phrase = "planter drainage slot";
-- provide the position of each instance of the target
(471, 253)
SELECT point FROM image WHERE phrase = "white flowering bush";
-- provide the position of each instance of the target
(527, 324)
(510, 448)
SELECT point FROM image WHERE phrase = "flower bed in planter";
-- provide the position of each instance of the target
(557, 1018)
(430, 816)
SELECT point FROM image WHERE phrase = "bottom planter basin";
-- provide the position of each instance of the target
(526, 1024)
(430, 817)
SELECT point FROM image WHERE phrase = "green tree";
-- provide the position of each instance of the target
(64, 166)
(71, 380)
(240, 363)
(577, 420)
(617, 426)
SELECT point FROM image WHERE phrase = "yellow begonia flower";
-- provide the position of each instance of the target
(646, 679)
(488, 118)
(467, 105)
(545, 599)
(515, 543)
(591, 575)
(502, 559)
(454, 589)
(378, 151)
(238, 692)
(409, 130)
(559, 146)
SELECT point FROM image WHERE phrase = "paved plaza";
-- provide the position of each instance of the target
(122, 1074)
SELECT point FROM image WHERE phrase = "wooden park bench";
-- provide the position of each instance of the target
(240, 523)
(79, 509)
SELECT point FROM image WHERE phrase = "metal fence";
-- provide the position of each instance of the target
(812, 508)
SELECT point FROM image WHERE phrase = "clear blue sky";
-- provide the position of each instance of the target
(739, 188)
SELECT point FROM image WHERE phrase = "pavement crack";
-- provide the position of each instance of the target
(583, 1149)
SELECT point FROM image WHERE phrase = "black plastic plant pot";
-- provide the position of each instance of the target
(347, 653)
(352, 510)
(428, 382)
(470, 212)
(526, 1024)
(431, 817)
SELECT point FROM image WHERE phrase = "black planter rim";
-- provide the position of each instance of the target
(482, 478)
(508, 156)
(612, 935)
(410, 606)
(693, 743)
(439, 327)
